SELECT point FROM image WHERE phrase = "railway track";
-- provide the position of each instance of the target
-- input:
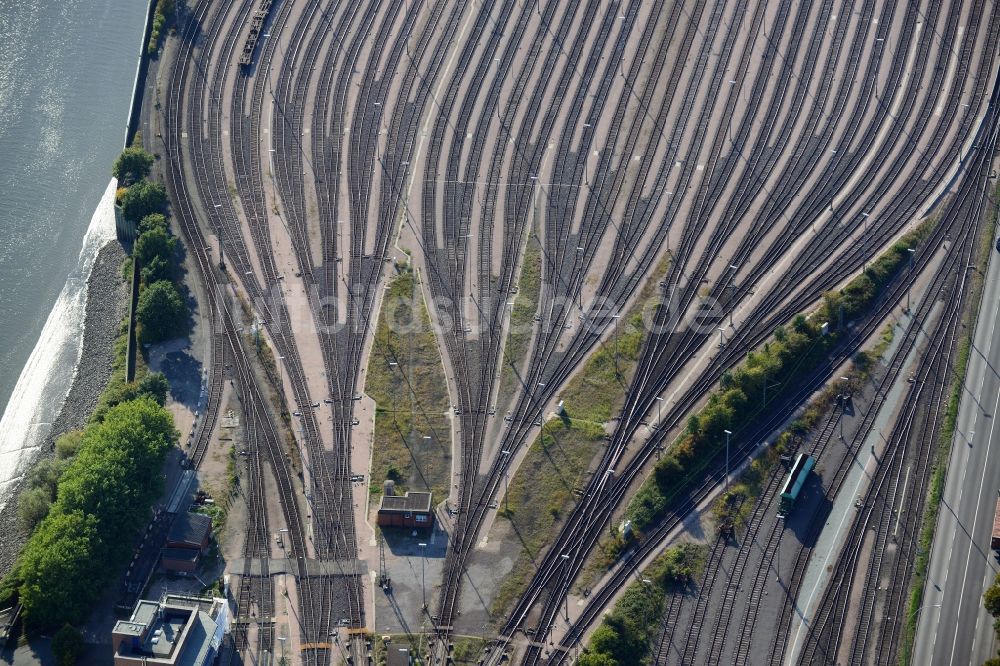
(894, 297)
(911, 442)
(599, 518)
(499, 136)
(254, 409)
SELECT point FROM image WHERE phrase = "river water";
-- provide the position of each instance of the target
(66, 74)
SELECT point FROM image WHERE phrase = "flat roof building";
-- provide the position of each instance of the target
(397, 656)
(175, 631)
(414, 509)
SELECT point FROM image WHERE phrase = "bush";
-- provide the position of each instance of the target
(596, 659)
(143, 198)
(33, 506)
(132, 165)
(161, 312)
(991, 598)
(154, 385)
(164, 12)
(153, 221)
(68, 443)
(67, 645)
(625, 634)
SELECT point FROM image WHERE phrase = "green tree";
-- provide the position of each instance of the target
(156, 386)
(59, 570)
(155, 250)
(120, 459)
(143, 198)
(991, 598)
(596, 659)
(67, 645)
(157, 269)
(154, 243)
(132, 165)
(153, 221)
(161, 312)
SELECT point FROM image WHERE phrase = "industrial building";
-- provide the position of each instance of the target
(177, 630)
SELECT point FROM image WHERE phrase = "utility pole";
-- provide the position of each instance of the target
(732, 285)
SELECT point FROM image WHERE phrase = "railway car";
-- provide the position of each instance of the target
(794, 482)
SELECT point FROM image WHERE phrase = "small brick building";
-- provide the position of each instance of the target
(412, 510)
(187, 542)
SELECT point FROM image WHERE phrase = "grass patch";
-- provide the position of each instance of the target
(598, 390)
(467, 651)
(590, 397)
(406, 380)
(541, 494)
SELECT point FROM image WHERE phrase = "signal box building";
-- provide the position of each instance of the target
(187, 542)
(412, 510)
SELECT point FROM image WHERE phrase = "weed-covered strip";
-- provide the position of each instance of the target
(598, 390)
(522, 317)
(412, 439)
(627, 633)
(555, 467)
(553, 473)
(781, 364)
(939, 474)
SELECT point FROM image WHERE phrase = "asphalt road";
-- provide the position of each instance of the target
(954, 628)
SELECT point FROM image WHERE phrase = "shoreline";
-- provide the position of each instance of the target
(106, 306)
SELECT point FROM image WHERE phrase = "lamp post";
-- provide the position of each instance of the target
(423, 575)
(909, 285)
(541, 412)
(506, 485)
(732, 285)
(618, 373)
(565, 559)
(649, 586)
(864, 239)
(728, 433)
